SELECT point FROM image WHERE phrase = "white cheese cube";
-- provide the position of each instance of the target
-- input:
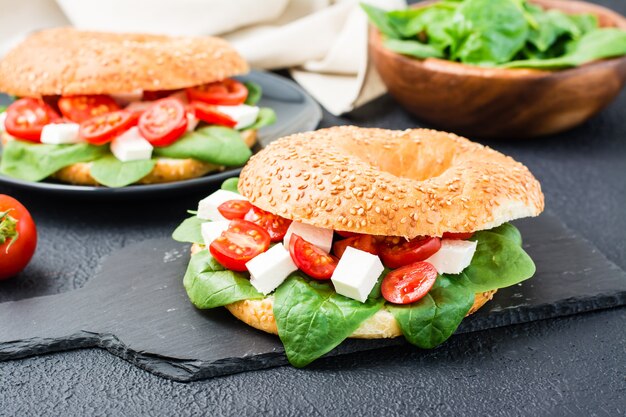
(192, 122)
(131, 146)
(3, 118)
(356, 274)
(322, 238)
(60, 133)
(243, 114)
(269, 269)
(453, 257)
(207, 207)
(212, 230)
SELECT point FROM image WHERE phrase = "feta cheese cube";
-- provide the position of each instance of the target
(60, 133)
(454, 256)
(356, 274)
(212, 230)
(131, 146)
(3, 118)
(322, 238)
(192, 122)
(269, 269)
(243, 114)
(207, 207)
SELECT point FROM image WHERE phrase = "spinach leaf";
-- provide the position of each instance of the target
(3, 109)
(379, 18)
(313, 319)
(189, 230)
(254, 93)
(214, 144)
(112, 172)
(551, 25)
(209, 284)
(499, 261)
(508, 231)
(231, 185)
(266, 117)
(594, 45)
(490, 31)
(413, 48)
(412, 22)
(432, 320)
(36, 161)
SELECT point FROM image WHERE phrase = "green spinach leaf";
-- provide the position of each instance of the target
(313, 319)
(214, 144)
(209, 284)
(189, 230)
(231, 185)
(254, 93)
(36, 161)
(112, 172)
(432, 320)
(594, 45)
(379, 18)
(266, 117)
(413, 48)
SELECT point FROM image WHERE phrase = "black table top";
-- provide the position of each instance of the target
(569, 366)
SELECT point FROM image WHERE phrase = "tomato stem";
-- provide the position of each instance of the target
(8, 229)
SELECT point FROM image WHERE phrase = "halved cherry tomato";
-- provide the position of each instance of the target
(458, 236)
(80, 108)
(163, 122)
(275, 225)
(228, 92)
(397, 252)
(18, 237)
(26, 118)
(365, 243)
(241, 242)
(234, 209)
(103, 129)
(208, 113)
(310, 259)
(408, 284)
(343, 233)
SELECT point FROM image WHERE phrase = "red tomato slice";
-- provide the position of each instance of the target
(408, 284)
(241, 242)
(275, 225)
(458, 236)
(103, 129)
(163, 122)
(228, 92)
(310, 259)
(397, 252)
(209, 114)
(234, 209)
(18, 237)
(365, 243)
(26, 118)
(81, 108)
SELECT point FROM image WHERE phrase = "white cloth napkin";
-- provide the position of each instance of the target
(322, 42)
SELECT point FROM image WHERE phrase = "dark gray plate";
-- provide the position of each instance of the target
(296, 112)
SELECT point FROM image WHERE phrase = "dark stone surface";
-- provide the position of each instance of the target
(137, 308)
(572, 366)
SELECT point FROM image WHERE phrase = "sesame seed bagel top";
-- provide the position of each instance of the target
(66, 61)
(408, 183)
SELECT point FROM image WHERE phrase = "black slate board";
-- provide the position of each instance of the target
(136, 308)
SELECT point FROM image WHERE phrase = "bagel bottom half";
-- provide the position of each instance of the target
(165, 170)
(382, 325)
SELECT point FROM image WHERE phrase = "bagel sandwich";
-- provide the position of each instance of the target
(96, 108)
(350, 232)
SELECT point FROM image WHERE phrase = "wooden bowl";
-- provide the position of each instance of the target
(503, 103)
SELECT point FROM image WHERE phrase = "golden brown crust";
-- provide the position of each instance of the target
(66, 61)
(165, 170)
(392, 183)
(382, 325)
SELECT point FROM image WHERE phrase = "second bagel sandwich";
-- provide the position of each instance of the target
(362, 233)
